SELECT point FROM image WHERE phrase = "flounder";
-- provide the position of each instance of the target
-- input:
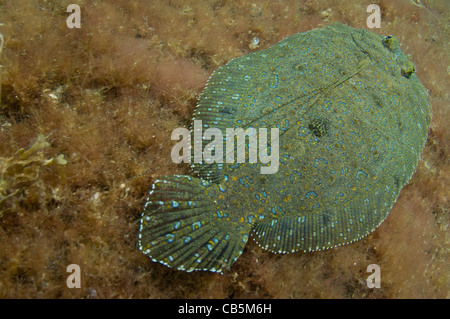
(353, 119)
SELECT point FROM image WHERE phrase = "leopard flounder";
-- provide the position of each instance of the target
(353, 119)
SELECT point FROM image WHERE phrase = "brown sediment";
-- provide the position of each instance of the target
(108, 95)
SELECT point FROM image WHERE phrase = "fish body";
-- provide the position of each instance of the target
(353, 119)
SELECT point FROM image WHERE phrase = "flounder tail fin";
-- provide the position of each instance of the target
(182, 227)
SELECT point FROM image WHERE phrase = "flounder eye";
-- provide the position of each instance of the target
(391, 43)
(407, 69)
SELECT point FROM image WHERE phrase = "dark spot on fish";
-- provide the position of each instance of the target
(319, 126)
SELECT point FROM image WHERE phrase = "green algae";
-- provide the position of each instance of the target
(24, 166)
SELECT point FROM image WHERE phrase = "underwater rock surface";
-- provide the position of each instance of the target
(353, 120)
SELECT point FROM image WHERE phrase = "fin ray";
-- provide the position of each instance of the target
(181, 228)
(320, 230)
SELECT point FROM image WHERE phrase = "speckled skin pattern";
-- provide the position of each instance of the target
(353, 119)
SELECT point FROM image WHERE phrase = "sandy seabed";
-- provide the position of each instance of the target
(85, 121)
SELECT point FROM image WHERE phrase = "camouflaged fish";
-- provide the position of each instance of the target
(353, 119)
